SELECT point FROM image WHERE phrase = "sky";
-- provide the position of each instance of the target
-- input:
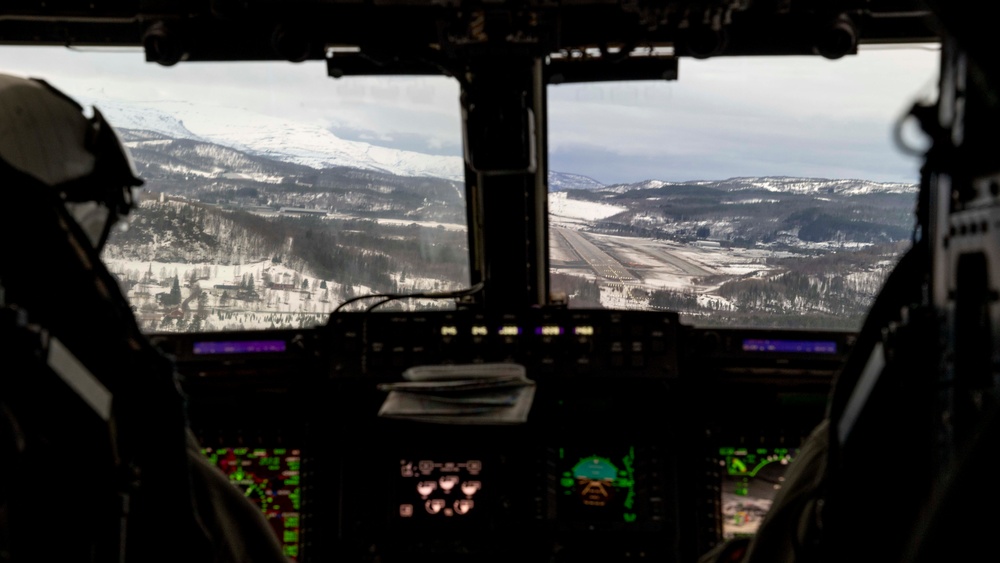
(724, 117)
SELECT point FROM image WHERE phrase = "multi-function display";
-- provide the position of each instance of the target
(751, 479)
(598, 485)
(270, 478)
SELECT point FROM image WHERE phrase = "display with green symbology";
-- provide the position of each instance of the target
(751, 478)
(599, 486)
(270, 478)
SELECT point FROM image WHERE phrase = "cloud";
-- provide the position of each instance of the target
(745, 116)
(387, 108)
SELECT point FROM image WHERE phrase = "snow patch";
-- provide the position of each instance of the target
(560, 205)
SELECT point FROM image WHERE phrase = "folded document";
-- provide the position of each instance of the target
(461, 394)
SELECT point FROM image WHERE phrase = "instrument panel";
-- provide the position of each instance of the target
(645, 438)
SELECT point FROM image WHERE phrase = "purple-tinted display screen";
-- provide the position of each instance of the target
(239, 347)
(800, 346)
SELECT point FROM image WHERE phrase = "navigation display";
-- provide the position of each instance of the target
(270, 478)
(751, 479)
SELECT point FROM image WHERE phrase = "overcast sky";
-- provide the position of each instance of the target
(790, 116)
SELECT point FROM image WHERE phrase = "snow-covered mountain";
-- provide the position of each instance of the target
(819, 186)
(312, 144)
(779, 184)
(124, 115)
(559, 181)
(285, 140)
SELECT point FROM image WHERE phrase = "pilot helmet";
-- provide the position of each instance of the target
(46, 138)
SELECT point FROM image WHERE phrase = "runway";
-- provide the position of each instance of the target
(609, 265)
(602, 263)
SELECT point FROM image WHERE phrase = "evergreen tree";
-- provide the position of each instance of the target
(174, 297)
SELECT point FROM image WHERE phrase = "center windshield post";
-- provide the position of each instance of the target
(503, 113)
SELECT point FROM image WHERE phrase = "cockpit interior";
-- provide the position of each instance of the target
(472, 349)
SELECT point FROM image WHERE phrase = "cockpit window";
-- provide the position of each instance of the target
(273, 193)
(758, 192)
(765, 192)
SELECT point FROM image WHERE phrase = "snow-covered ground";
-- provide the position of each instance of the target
(428, 224)
(564, 211)
(293, 299)
(696, 269)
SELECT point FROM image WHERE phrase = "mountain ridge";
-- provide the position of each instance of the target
(313, 145)
(777, 184)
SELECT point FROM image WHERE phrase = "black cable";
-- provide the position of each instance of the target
(359, 298)
(387, 297)
(429, 295)
(374, 306)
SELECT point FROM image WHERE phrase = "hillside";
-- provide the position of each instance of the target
(257, 239)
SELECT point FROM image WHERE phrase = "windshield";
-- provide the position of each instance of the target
(757, 192)
(272, 192)
(763, 192)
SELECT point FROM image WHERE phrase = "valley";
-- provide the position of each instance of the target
(227, 238)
